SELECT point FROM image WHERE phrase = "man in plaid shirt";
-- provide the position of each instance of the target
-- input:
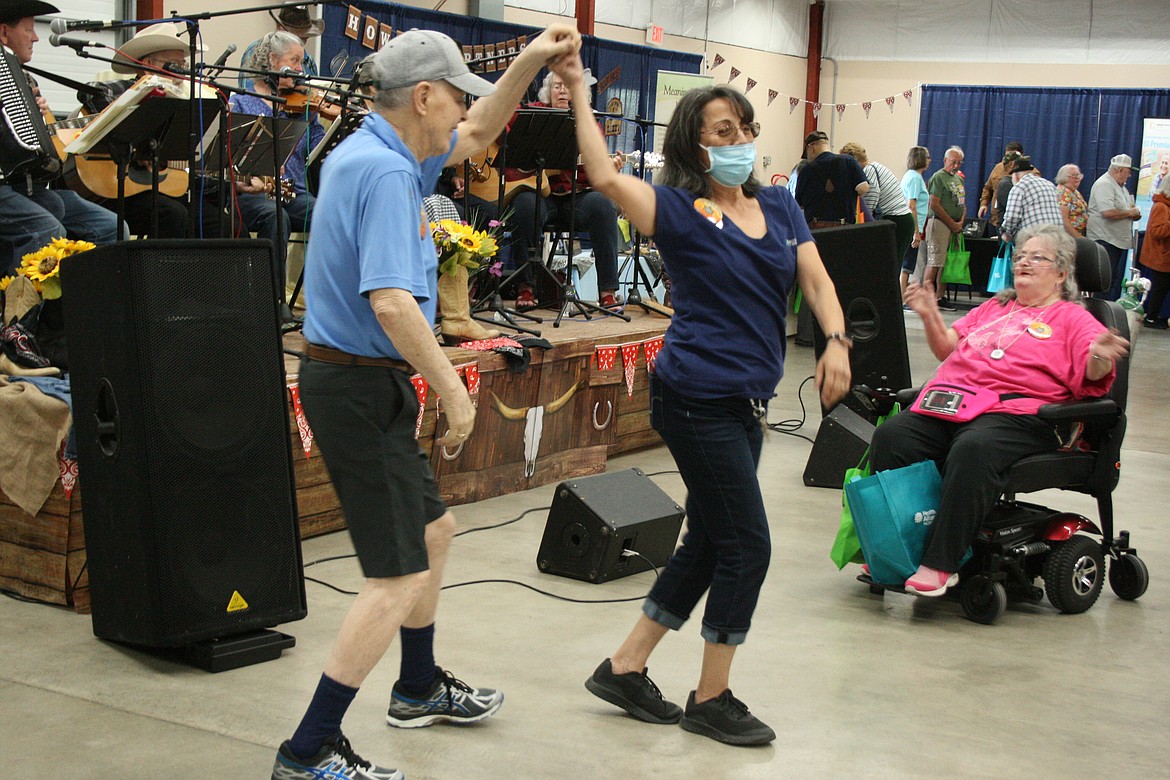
(1032, 201)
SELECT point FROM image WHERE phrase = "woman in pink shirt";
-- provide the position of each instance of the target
(1029, 346)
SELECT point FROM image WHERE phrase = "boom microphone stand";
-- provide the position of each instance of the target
(650, 302)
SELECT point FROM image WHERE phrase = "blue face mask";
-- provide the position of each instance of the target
(731, 165)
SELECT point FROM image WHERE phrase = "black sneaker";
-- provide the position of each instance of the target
(634, 692)
(449, 700)
(945, 305)
(726, 719)
(1156, 324)
(335, 759)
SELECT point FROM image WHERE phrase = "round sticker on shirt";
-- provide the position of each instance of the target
(1040, 330)
(709, 210)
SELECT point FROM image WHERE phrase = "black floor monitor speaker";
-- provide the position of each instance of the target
(862, 261)
(842, 439)
(183, 440)
(594, 520)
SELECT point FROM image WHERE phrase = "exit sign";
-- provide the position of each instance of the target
(654, 35)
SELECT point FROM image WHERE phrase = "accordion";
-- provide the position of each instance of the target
(26, 149)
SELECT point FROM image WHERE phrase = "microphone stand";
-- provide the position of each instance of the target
(639, 273)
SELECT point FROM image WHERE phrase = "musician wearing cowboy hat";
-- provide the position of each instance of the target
(296, 20)
(31, 214)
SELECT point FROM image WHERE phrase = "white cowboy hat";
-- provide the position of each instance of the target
(157, 37)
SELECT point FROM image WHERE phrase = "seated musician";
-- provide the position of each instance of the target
(293, 19)
(594, 212)
(472, 209)
(32, 214)
(154, 48)
(276, 51)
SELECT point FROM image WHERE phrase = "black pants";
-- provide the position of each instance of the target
(973, 458)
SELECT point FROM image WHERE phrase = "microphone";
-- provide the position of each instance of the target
(229, 51)
(56, 40)
(289, 73)
(60, 25)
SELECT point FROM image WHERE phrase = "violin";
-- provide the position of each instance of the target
(302, 99)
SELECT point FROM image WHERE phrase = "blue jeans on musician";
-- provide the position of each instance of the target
(259, 213)
(725, 553)
(29, 221)
(593, 214)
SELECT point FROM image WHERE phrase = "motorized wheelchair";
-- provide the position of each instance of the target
(1020, 542)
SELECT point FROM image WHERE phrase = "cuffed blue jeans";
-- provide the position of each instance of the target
(727, 547)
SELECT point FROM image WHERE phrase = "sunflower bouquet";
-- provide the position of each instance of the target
(462, 246)
(43, 267)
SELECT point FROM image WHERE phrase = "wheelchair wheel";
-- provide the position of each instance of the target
(983, 599)
(1074, 573)
(1129, 577)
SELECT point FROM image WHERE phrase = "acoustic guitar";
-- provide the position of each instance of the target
(484, 181)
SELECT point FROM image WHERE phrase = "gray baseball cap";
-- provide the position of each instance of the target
(425, 55)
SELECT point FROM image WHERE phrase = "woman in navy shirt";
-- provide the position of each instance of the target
(733, 250)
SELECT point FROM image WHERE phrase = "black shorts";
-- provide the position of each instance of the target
(364, 418)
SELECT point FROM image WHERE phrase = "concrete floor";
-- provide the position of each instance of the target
(854, 684)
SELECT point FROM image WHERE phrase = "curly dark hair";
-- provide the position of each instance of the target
(683, 166)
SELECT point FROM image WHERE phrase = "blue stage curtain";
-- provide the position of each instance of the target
(634, 85)
(1056, 126)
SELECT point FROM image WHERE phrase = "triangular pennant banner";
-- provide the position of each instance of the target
(68, 469)
(472, 375)
(866, 106)
(606, 357)
(734, 73)
(652, 347)
(629, 363)
(420, 389)
(908, 94)
(816, 110)
(840, 111)
(772, 95)
(717, 61)
(890, 103)
(750, 83)
(792, 104)
(306, 433)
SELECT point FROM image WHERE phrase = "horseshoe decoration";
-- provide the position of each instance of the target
(608, 415)
(451, 455)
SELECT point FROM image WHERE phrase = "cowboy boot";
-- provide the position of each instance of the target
(457, 325)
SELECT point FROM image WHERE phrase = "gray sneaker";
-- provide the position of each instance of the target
(335, 760)
(726, 719)
(634, 692)
(449, 699)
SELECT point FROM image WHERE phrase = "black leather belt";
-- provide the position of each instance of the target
(339, 358)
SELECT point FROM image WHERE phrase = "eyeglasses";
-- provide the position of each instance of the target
(1033, 260)
(727, 130)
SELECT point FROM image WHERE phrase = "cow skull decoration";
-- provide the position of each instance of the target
(533, 417)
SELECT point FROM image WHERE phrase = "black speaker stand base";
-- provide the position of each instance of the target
(232, 652)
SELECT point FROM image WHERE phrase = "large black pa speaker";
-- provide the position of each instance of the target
(594, 520)
(183, 440)
(862, 261)
(842, 439)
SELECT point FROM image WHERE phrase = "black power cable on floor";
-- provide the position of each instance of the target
(790, 427)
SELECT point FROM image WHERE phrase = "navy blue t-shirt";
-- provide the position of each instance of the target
(730, 294)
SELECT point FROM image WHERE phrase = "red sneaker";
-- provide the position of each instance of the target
(610, 301)
(931, 582)
(525, 300)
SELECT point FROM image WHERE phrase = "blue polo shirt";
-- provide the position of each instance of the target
(369, 232)
(730, 293)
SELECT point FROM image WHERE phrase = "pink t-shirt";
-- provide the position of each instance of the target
(1045, 351)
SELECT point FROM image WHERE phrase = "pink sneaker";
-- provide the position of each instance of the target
(931, 582)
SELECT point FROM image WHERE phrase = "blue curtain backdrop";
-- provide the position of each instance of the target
(634, 85)
(1056, 126)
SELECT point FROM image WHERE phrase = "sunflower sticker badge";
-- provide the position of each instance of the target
(709, 210)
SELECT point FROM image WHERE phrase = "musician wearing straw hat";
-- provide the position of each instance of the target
(31, 214)
(296, 20)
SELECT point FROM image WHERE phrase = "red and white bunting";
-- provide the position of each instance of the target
(420, 389)
(816, 110)
(606, 357)
(866, 106)
(890, 103)
(629, 363)
(68, 469)
(772, 95)
(840, 111)
(734, 74)
(470, 374)
(306, 433)
(652, 347)
(908, 94)
(750, 83)
(715, 63)
(793, 102)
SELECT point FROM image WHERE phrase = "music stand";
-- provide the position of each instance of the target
(341, 128)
